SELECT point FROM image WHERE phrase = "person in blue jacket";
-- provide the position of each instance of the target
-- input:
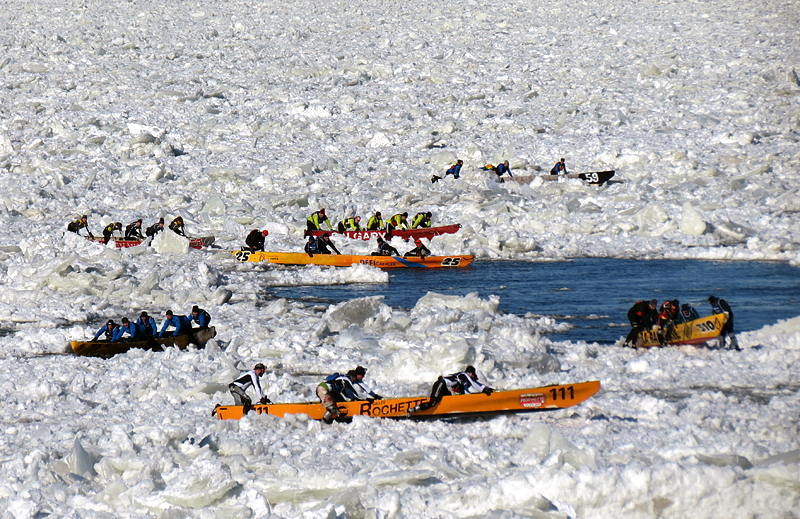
(201, 317)
(147, 324)
(132, 329)
(502, 169)
(560, 168)
(109, 329)
(181, 323)
(455, 169)
(343, 388)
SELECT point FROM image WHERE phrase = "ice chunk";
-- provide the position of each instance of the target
(81, 462)
(356, 311)
(168, 241)
(691, 221)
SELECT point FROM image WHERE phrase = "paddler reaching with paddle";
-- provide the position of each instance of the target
(420, 250)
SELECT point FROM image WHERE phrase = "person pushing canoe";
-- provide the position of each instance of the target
(315, 221)
(461, 383)
(243, 382)
(81, 223)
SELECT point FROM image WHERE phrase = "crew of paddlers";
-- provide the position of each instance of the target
(643, 316)
(350, 387)
(133, 231)
(145, 328)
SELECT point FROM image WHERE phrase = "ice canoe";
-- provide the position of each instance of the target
(698, 331)
(195, 243)
(546, 398)
(346, 260)
(109, 349)
(591, 177)
(426, 233)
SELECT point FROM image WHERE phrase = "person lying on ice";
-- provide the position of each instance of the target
(461, 383)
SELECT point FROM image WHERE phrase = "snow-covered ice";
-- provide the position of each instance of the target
(243, 115)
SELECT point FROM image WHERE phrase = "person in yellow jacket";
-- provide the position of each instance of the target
(315, 221)
(421, 221)
(376, 222)
(397, 221)
(350, 224)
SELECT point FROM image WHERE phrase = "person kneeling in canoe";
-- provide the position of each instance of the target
(109, 230)
(133, 231)
(181, 323)
(350, 224)
(462, 383)
(420, 250)
(687, 313)
(243, 382)
(421, 220)
(255, 240)
(148, 325)
(325, 242)
(135, 333)
(384, 249)
(109, 329)
(177, 227)
(201, 317)
(343, 388)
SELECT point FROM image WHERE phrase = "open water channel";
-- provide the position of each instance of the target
(593, 295)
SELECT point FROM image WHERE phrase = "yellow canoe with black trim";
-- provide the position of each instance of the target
(107, 349)
(698, 331)
(546, 398)
(346, 260)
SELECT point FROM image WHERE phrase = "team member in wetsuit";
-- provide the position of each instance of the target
(462, 383)
(243, 382)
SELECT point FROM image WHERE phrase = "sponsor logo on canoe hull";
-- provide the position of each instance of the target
(532, 400)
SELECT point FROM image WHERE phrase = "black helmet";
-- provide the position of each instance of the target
(118, 225)
(110, 322)
(360, 371)
(470, 370)
(428, 214)
(125, 320)
(713, 299)
(260, 366)
(195, 309)
(144, 314)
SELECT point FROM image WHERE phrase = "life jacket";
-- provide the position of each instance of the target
(110, 228)
(375, 220)
(312, 246)
(153, 230)
(76, 225)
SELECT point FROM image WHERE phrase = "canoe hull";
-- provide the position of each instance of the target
(592, 177)
(404, 234)
(195, 243)
(698, 331)
(519, 400)
(107, 349)
(346, 260)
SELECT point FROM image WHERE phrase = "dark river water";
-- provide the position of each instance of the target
(593, 295)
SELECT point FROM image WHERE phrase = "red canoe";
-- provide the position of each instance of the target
(195, 243)
(428, 233)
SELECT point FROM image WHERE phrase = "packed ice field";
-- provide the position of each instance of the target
(248, 115)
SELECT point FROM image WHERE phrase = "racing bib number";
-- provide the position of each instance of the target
(242, 255)
(451, 262)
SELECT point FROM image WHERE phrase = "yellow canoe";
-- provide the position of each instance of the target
(107, 349)
(519, 400)
(346, 260)
(698, 331)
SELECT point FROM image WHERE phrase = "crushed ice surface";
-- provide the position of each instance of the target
(252, 115)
